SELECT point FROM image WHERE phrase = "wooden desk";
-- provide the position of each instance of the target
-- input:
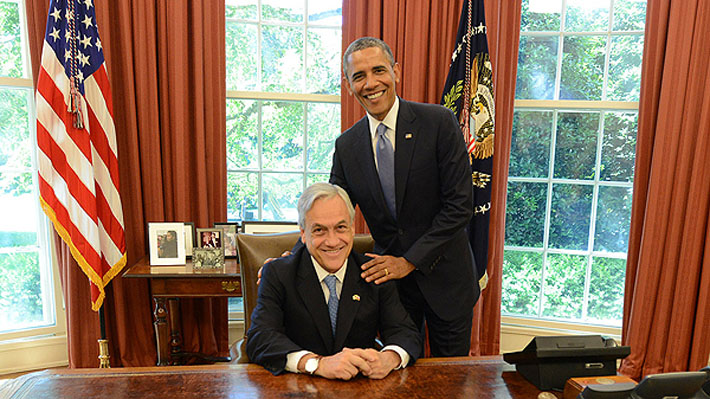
(168, 283)
(481, 378)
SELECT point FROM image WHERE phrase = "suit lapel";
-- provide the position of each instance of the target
(366, 160)
(405, 137)
(311, 293)
(349, 301)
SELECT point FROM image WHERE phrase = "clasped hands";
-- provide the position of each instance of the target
(347, 363)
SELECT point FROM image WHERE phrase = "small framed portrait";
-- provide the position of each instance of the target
(167, 243)
(229, 242)
(189, 238)
(209, 238)
(208, 258)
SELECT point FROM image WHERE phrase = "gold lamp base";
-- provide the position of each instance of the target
(103, 354)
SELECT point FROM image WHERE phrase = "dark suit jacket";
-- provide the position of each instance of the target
(434, 199)
(291, 314)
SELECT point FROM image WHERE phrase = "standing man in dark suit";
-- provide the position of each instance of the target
(316, 315)
(405, 164)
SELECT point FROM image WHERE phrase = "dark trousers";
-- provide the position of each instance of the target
(447, 338)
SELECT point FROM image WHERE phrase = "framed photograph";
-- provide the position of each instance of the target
(268, 227)
(208, 258)
(229, 243)
(167, 243)
(209, 238)
(189, 238)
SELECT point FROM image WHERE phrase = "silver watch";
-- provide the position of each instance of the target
(311, 365)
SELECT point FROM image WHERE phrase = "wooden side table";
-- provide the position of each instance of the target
(168, 284)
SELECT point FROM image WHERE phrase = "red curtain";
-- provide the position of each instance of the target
(667, 300)
(166, 64)
(422, 36)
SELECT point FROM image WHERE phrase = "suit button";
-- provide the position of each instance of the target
(400, 232)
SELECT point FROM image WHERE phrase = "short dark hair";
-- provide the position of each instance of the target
(363, 43)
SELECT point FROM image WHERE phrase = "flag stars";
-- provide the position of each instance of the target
(67, 35)
(87, 21)
(84, 59)
(88, 4)
(98, 44)
(69, 15)
(55, 15)
(54, 34)
(86, 41)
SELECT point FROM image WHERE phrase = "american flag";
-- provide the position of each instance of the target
(78, 164)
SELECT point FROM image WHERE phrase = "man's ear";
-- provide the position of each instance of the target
(346, 84)
(303, 236)
(397, 72)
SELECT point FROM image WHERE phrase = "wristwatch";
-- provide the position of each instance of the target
(311, 365)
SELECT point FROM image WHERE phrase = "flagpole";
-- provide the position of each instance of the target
(104, 362)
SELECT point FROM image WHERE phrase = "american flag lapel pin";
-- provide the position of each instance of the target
(356, 297)
(407, 136)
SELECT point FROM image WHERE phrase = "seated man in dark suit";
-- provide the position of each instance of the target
(316, 315)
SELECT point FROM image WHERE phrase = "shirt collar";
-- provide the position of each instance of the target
(322, 273)
(390, 119)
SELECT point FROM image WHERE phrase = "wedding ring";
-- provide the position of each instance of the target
(387, 273)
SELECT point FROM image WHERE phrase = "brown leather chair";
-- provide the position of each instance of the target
(254, 249)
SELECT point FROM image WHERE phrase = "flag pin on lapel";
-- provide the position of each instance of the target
(407, 136)
(356, 297)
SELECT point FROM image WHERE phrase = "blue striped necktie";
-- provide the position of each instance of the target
(330, 281)
(385, 167)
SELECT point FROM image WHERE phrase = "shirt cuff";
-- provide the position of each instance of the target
(402, 355)
(292, 360)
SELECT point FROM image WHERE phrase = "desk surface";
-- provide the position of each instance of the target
(429, 378)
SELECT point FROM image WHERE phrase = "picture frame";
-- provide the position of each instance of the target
(208, 259)
(258, 227)
(209, 238)
(229, 243)
(166, 242)
(189, 238)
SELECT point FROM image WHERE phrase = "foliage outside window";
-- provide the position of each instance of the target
(27, 296)
(572, 160)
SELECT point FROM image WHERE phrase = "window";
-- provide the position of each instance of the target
(572, 160)
(283, 102)
(30, 301)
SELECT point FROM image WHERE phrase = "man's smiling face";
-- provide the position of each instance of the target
(328, 232)
(371, 79)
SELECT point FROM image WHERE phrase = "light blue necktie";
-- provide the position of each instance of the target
(330, 281)
(385, 167)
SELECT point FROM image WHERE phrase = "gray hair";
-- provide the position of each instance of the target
(363, 43)
(317, 191)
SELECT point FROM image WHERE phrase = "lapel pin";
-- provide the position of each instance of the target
(408, 136)
(356, 297)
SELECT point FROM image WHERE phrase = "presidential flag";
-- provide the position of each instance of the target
(469, 94)
(78, 165)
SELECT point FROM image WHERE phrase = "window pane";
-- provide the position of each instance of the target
(613, 219)
(606, 290)
(619, 146)
(522, 273)
(323, 66)
(530, 147)
(540, 15)
(563, 292)
(279, 10)
(317, 178)
(582, 68)
(241, 56)
(242, 196)
(323, 129)
(282, 59)
(15, 143)
(525, 214)
(569, 217)
(629, 15)
(281, 192)
(624, 82)
(241, 9)
(537, 63)
(587, 16)
(282, 132)
(576, 145)
(18, 212)
(11, 60)
(325, 12)
(235, 305)
(21, 299)
(242, 134)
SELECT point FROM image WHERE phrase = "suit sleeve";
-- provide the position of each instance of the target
(337, 176)
(396, 327)
(456, 193)
(267, 343)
